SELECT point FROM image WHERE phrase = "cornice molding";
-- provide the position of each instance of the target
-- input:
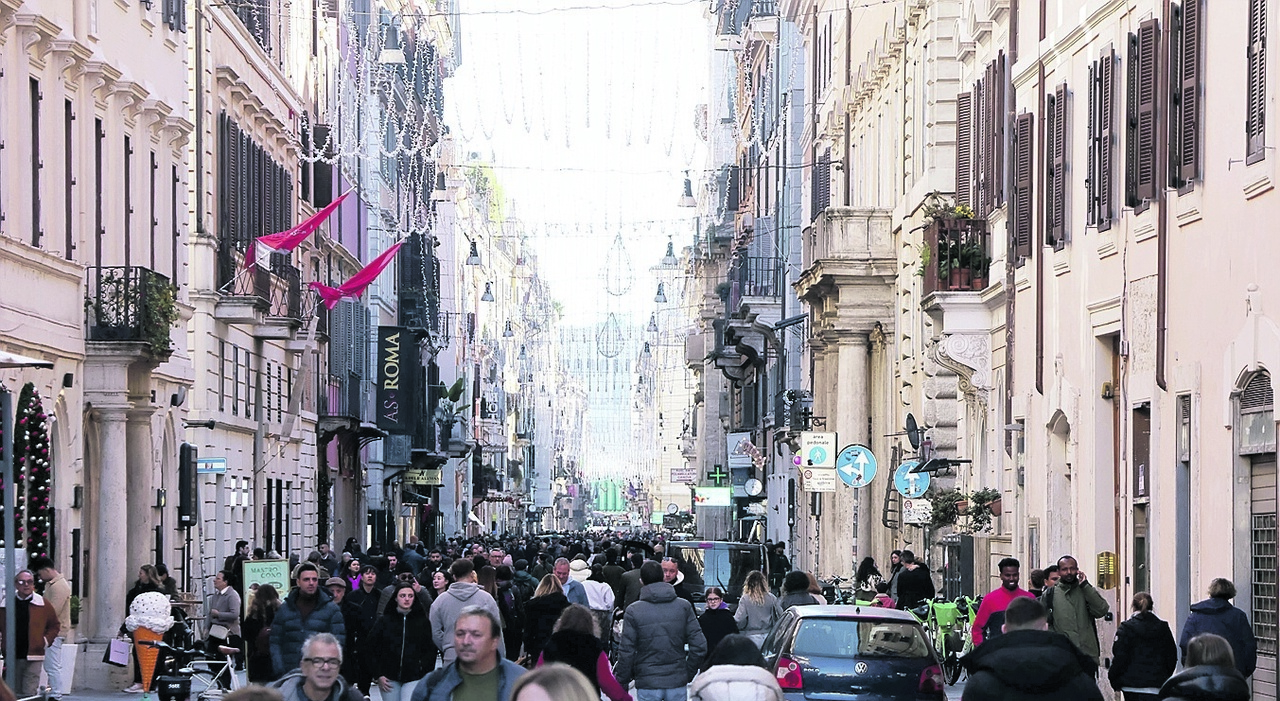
(70, 58)
(37, 34)
(100, 78)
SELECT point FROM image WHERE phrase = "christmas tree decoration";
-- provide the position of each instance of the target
(31, 472)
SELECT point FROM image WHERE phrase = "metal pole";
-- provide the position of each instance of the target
(6, 473)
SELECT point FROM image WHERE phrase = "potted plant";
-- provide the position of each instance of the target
(449, 411)
(984, 501)
(945, 504)
(977, 262)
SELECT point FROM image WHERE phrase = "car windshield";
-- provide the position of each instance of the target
(857, 637)
(724, 565)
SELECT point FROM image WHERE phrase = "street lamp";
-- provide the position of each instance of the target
(488, 293)
(670, 260)
(661, 297)
(653, 323)
(686, 200)
(508, 332)
(474, 258)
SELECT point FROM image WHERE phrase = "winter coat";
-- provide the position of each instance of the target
(1206, 683)
(757, 619)
(631, 586)
(540, 616)
(439, 685)
(42, 626)
(914, 587)
(290, 630)
(257, 637)
(445, 610)
(1219, 617)
(796, 598)
(731, 682)
(397, 646)
(1072, 611)
(715, 624)
(655, 630)
(527, 584)
(1029, 664)
(290, 686)
(1143, 655)
(366, 603)
(584, 653)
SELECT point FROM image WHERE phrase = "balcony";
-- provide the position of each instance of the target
(130, 304)
(754, 277)
(956, 256)
(762, 23)
(267, 298)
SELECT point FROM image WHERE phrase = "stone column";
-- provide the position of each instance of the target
(141, 489)
(849, 419)
(111, 560)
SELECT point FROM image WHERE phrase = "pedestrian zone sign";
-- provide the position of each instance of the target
(818, 450)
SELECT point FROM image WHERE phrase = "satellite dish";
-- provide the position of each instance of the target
(913, 432)
(673, 508)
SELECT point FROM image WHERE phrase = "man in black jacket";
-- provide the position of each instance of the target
(1029, 662)
(659, 625)
(915, 584)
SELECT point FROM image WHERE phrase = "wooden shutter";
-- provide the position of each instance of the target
(1023, 158)
(1131, 125)
(1256, 105)
(1148, 52)
(1054, 163)
(998, 122)
(964, 129)
(988, 152)
(1091, 151)
(1106, 139)
(979, 140)
(1186, 109)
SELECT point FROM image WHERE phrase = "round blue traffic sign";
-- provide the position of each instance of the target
(856, 465)
(911, 485)
(817, 455)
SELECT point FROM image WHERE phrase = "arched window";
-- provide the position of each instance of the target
(1257, 417)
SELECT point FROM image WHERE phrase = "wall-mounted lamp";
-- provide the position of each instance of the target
(488, 293)
(474, 257)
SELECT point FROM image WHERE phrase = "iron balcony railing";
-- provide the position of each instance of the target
(957, 256)
(129, 303)
(764, 8)
(754, 276)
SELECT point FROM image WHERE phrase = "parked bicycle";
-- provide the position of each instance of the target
(947, 623)
(195, 674)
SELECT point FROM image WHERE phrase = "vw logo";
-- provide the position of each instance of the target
(860, 668)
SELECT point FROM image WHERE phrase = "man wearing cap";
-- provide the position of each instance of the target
(352, 618)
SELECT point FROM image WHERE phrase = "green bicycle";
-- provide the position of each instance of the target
(947, 623)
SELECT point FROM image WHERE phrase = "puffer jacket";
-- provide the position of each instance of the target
(731, 682)
(757, 619)
(1219, 617)
(540, 616)
(290, 630)
(1027, 665)
(445, 610)
(655, 630)
(290, 686)
(1206, 683)
(1144, 654)
(397, 646)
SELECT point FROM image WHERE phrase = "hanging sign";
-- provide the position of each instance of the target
(397, 362)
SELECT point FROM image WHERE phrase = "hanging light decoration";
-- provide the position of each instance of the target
(661, 297)
(474, 258)
(508, 332)
(670, 260)
(653, 323)
(488, 293)
(686, 199)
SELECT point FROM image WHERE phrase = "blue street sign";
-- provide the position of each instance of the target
(856, 465)
(911, 485)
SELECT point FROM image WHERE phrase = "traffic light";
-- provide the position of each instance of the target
(187, 457)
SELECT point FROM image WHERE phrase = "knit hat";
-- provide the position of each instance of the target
(579, 570)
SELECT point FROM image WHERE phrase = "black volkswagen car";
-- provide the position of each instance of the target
(831, 653)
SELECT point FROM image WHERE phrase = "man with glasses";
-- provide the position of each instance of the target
(318, 678)
(307, 610)
(38, 619)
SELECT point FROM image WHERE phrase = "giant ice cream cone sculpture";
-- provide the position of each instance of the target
(149, 618)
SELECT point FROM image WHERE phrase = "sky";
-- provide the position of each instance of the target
(586, 108)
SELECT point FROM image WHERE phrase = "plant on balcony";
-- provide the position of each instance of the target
(159, 313)
(449, 411)
(722, 291)
(950, 506)
(974, 258)
(939, 209)
(926, 257)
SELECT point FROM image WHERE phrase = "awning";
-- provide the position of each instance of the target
(472, 516)
(13, 360)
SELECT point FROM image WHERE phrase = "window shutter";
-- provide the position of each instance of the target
(978, 154)
(1131, 125)
(1188, 166)
(988, 153)
(1255, 118)
(1148, 51)
(1023, 158)
(1106, 139)
(964, 128)
(998, 126)
(1091, 151)
(1054, 164)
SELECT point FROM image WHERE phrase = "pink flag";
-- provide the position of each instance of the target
(289, 239)
(358, 282)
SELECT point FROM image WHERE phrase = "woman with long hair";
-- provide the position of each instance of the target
(148, 580)
(541, 614)
(758, 609)
(440, 581)
(487, 578)
(1210, 673)
(576, 642)
(395, 650)
(735, 671)
(257, 633)
(866, 579)
(554, 682)
(716, 620)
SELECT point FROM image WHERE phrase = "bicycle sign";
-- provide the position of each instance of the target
(856, 465)
(911, 485)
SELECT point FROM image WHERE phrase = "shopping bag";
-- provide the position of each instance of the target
(117, 652)
(219, 631)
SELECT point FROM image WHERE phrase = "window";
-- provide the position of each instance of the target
(1184, 144)
(128, 201)
(256, 17)
(68, 181)
(821, 186)
(36, 232)
(852, 637)
(1099, 186)
(1023, 158)
(1256, 108)
(1264, 564)
(1140, 168)
(985, 138)
(175, 15)
(1054, 162)
(1257, 423)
